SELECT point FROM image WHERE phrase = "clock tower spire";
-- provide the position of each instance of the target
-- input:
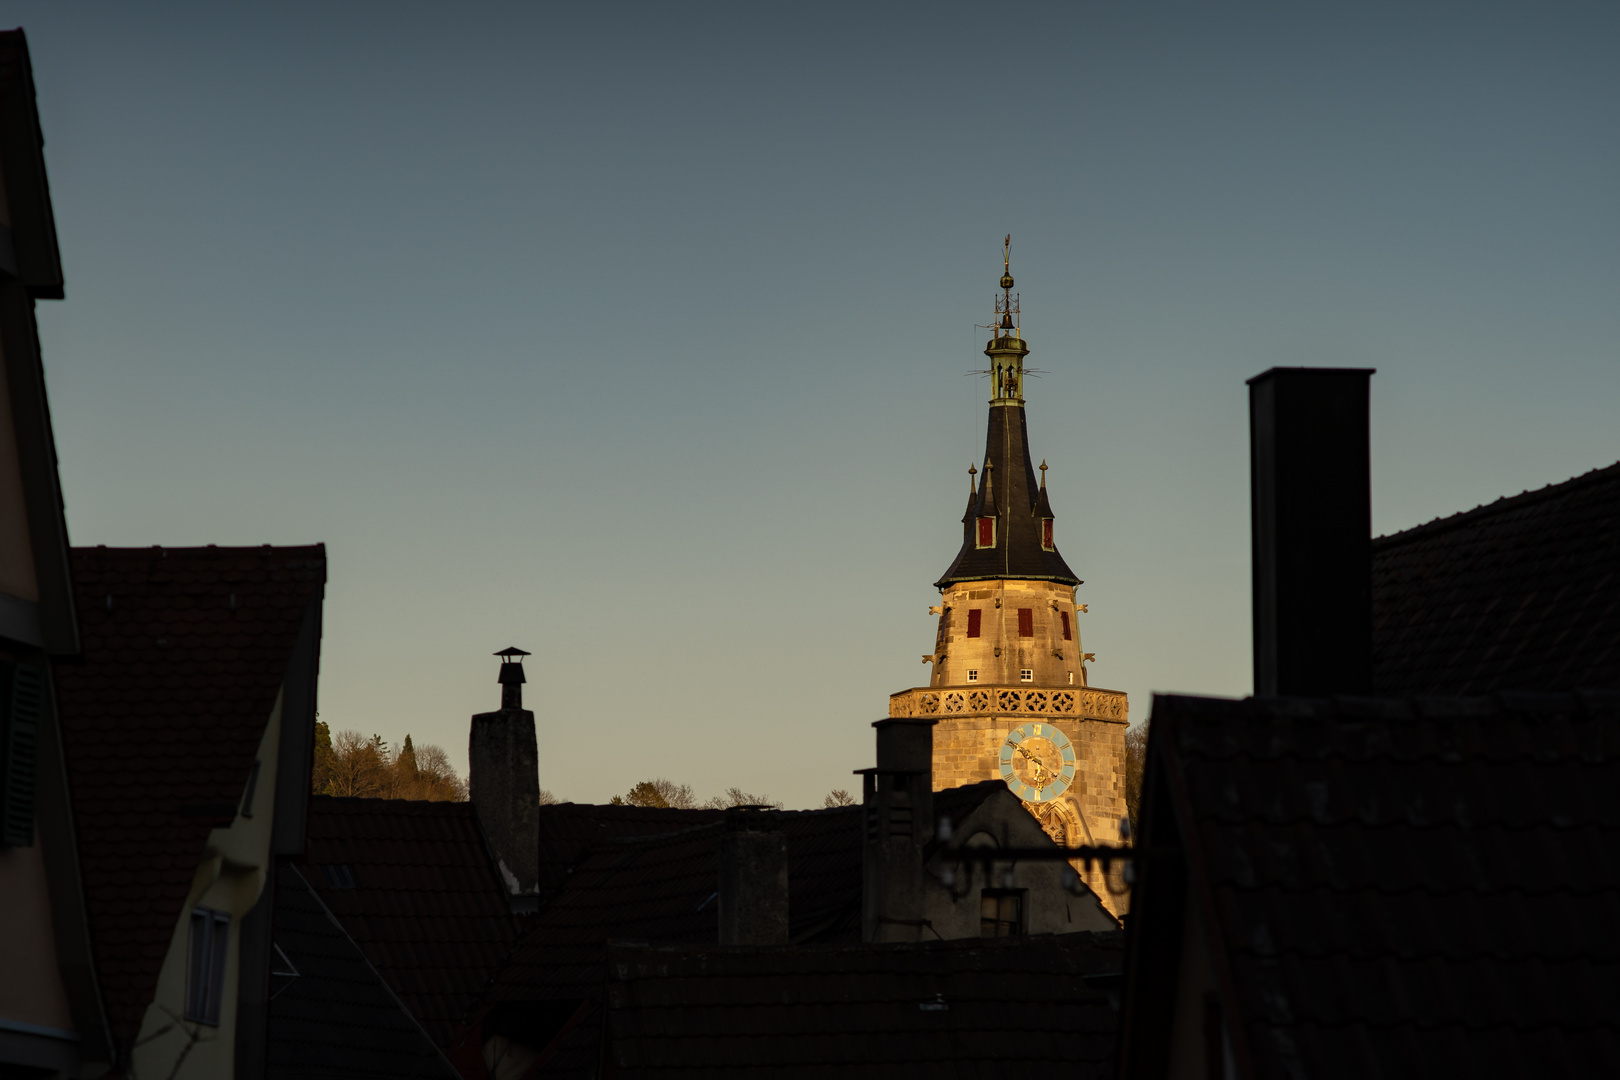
(1010, 687)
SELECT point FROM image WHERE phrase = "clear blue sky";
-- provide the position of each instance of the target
(634, 335)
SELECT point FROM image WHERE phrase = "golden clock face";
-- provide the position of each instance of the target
(1037, 762)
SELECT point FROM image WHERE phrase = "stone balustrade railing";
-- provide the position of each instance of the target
(1083, 703)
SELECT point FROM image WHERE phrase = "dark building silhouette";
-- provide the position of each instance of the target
(997, 1007)
(1359, 887)
(1522, 594)
(1350, 886)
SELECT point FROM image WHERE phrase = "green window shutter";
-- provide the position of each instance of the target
(22, 697)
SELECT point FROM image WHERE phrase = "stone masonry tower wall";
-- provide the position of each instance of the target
(1008, 665)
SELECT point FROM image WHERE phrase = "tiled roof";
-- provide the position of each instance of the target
(184, 652)
(663, 888)
(979, 1007)
(334, 1016)
(412, 883)
(570, 831)
(1522, 594)
(1404, 889)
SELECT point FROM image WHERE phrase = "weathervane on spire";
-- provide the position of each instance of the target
(1007, 304)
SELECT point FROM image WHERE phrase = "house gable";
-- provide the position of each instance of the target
(186, 652)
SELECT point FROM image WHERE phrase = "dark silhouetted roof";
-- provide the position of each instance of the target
(570, 831)
(1009, 492)
(1394, 888)
(957, 803)
(34, 256)
(1522, 594)
(334, 1016)
(996, 1007)
(412, 883)
(161, 722)
(663, 888)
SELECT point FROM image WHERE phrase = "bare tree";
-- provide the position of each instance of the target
(548, 799)
(837, 797)
(428, 775)
(349, 764)
(737, 797)
(360, 769)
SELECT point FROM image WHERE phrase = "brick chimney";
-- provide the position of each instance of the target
(1310, 500)
(753, 880)
(898, 804)
(504, 784)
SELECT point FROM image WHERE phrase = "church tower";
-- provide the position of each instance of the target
(1009, 685)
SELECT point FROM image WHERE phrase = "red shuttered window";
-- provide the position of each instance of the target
(973, 622)
(987, 532)
(1046, 533)
(1026, 622)
(1067, 636)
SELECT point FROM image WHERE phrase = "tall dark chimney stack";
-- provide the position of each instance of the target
(504, 784)
(898, 808)
(753, 880)
(1310, 499)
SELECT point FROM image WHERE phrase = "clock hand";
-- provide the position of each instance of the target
(1042, 774)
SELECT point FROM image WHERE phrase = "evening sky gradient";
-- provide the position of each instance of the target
(637, 335)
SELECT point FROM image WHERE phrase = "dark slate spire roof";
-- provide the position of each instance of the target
(1009, 493)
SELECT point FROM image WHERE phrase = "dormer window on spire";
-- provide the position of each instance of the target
(1046, 535)
(987, 533)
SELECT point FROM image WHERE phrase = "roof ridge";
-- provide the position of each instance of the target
(1576, 954)
(647, 838)
(1299, 1018)
(1401, 822)
(197, 549)
(1505, 502)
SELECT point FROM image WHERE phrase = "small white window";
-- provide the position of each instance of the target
(1026, 675)
(205, 966)
(973, 674)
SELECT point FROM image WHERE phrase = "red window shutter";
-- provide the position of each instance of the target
(987, 532)
(1026, 622)
(1046, 532)
(973, 622)
(1066, 635)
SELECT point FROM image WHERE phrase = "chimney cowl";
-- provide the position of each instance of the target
(511, 677)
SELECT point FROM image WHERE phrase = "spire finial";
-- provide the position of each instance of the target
(1043, 472)
(971, 473)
